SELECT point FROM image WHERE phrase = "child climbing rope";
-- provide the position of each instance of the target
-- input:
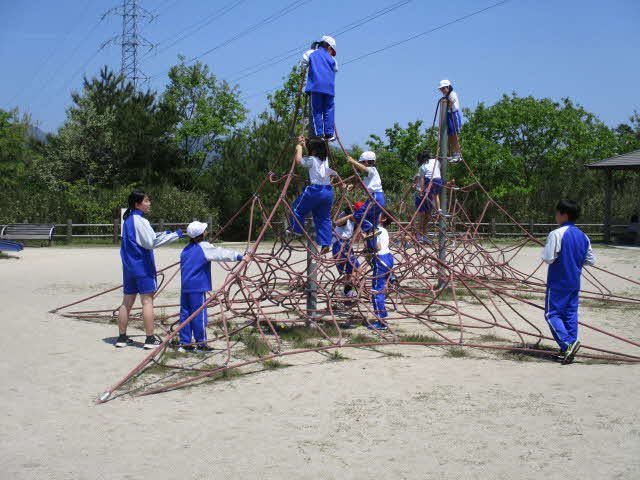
(373, 183)
(316, 198)
(321, 78)
(139, 266)
(454, 119)
(342, 248)
(382, 265)
(428, 186)
(567, 250)
(195, 273)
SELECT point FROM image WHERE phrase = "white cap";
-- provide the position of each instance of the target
(195, 229)
(368, 156)
(330, 41)
(444, 83)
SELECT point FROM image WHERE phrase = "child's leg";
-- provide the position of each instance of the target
(301, 206)
(555, 305)
(322, 216)
(124, 311)
(316, 105)
(571, 316)
(329, 115)
(186, 309)
(147, 312)
(381, 274)
(199, 322)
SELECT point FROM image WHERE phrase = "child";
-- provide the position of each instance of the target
(454, 120)
(321, 78)
(195, 272)
(566, 251)
(373, 183)
(429, 184)
(316, 198)
(139, 267)
(382, 264)
(342, 248)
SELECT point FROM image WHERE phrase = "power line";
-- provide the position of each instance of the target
(400, 42)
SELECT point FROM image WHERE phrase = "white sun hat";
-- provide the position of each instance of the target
(444, 83)
(330, 41)
(195, 229)
(368, 156)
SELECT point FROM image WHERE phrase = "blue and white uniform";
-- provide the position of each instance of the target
(454, 119)
(195, 273)
(382, 270)
(342, 249)
(316, 198)
(430, 172)
(136, 251)
(566, 251)
(321, 79)
(373, 183)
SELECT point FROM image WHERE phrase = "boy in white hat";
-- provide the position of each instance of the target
(454, 119)
(321, 78)
(195, 272)
(373, 183)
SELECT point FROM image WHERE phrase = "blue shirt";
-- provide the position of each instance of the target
(195, 265)
(321, 76)
(566, 251)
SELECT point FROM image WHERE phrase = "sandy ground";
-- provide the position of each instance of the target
(418, 416)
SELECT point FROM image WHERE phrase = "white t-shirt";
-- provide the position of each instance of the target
(372, 180)
(430, 169)
(319, 171)
(345, 231)
(383, 241)
(454, 102)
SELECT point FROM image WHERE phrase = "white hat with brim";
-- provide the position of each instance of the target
(195, 229)
(444, 83)
(368, 156)
(330, 41)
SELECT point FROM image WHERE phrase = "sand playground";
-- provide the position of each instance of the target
(398, 412)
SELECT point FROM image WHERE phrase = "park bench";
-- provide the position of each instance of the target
(27, 231)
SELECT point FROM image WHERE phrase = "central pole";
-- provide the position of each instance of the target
(312, 273)
(443, 154)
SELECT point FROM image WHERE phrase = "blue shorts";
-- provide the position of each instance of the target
(433, 187)
(454, 121)
(133, 285)
(343, 253)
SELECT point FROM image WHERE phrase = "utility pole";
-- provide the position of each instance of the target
(443, 153)
(130, 40)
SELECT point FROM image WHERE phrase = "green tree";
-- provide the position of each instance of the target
(629, 134)
(208, 110)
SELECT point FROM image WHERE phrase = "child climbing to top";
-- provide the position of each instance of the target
(454, 120)
(321, 78)
(316, 198)
(566, 251)
(195, 273)
(373, 183)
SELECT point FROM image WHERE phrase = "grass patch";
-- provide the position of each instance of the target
(301, 336)
(254, 344)
(337, 356)
(274, 364)
(418, 338)
(517, 356)
(362, 338)
(490, 337)
(457, 352)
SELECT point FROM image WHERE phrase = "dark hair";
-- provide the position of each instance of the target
(317, 148)
(570, 208)
(385, 219)
(423, 156)
(197, 239)
(135, 197)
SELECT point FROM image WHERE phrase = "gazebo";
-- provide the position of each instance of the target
(628, 161)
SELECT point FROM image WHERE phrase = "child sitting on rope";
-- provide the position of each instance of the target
(373, 183)
(428, 186)
(382, 269)
(195, 273)
(454, 120)
(342, 248)
(566, 251)
(316, 198)
(321, 78)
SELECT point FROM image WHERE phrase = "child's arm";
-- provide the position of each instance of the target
(305, 58)
(358, 165)
(297, 155)
(551, 248)
(590, 258)
(335, 66)
(147, 238)
(342, 220)
(219, 254)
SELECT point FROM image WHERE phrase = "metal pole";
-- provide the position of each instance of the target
(312, 272)
(443, 153)
(608, 187)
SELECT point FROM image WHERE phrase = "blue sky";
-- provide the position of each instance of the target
(586, 50)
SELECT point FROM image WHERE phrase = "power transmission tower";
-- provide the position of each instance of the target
(130, 40)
